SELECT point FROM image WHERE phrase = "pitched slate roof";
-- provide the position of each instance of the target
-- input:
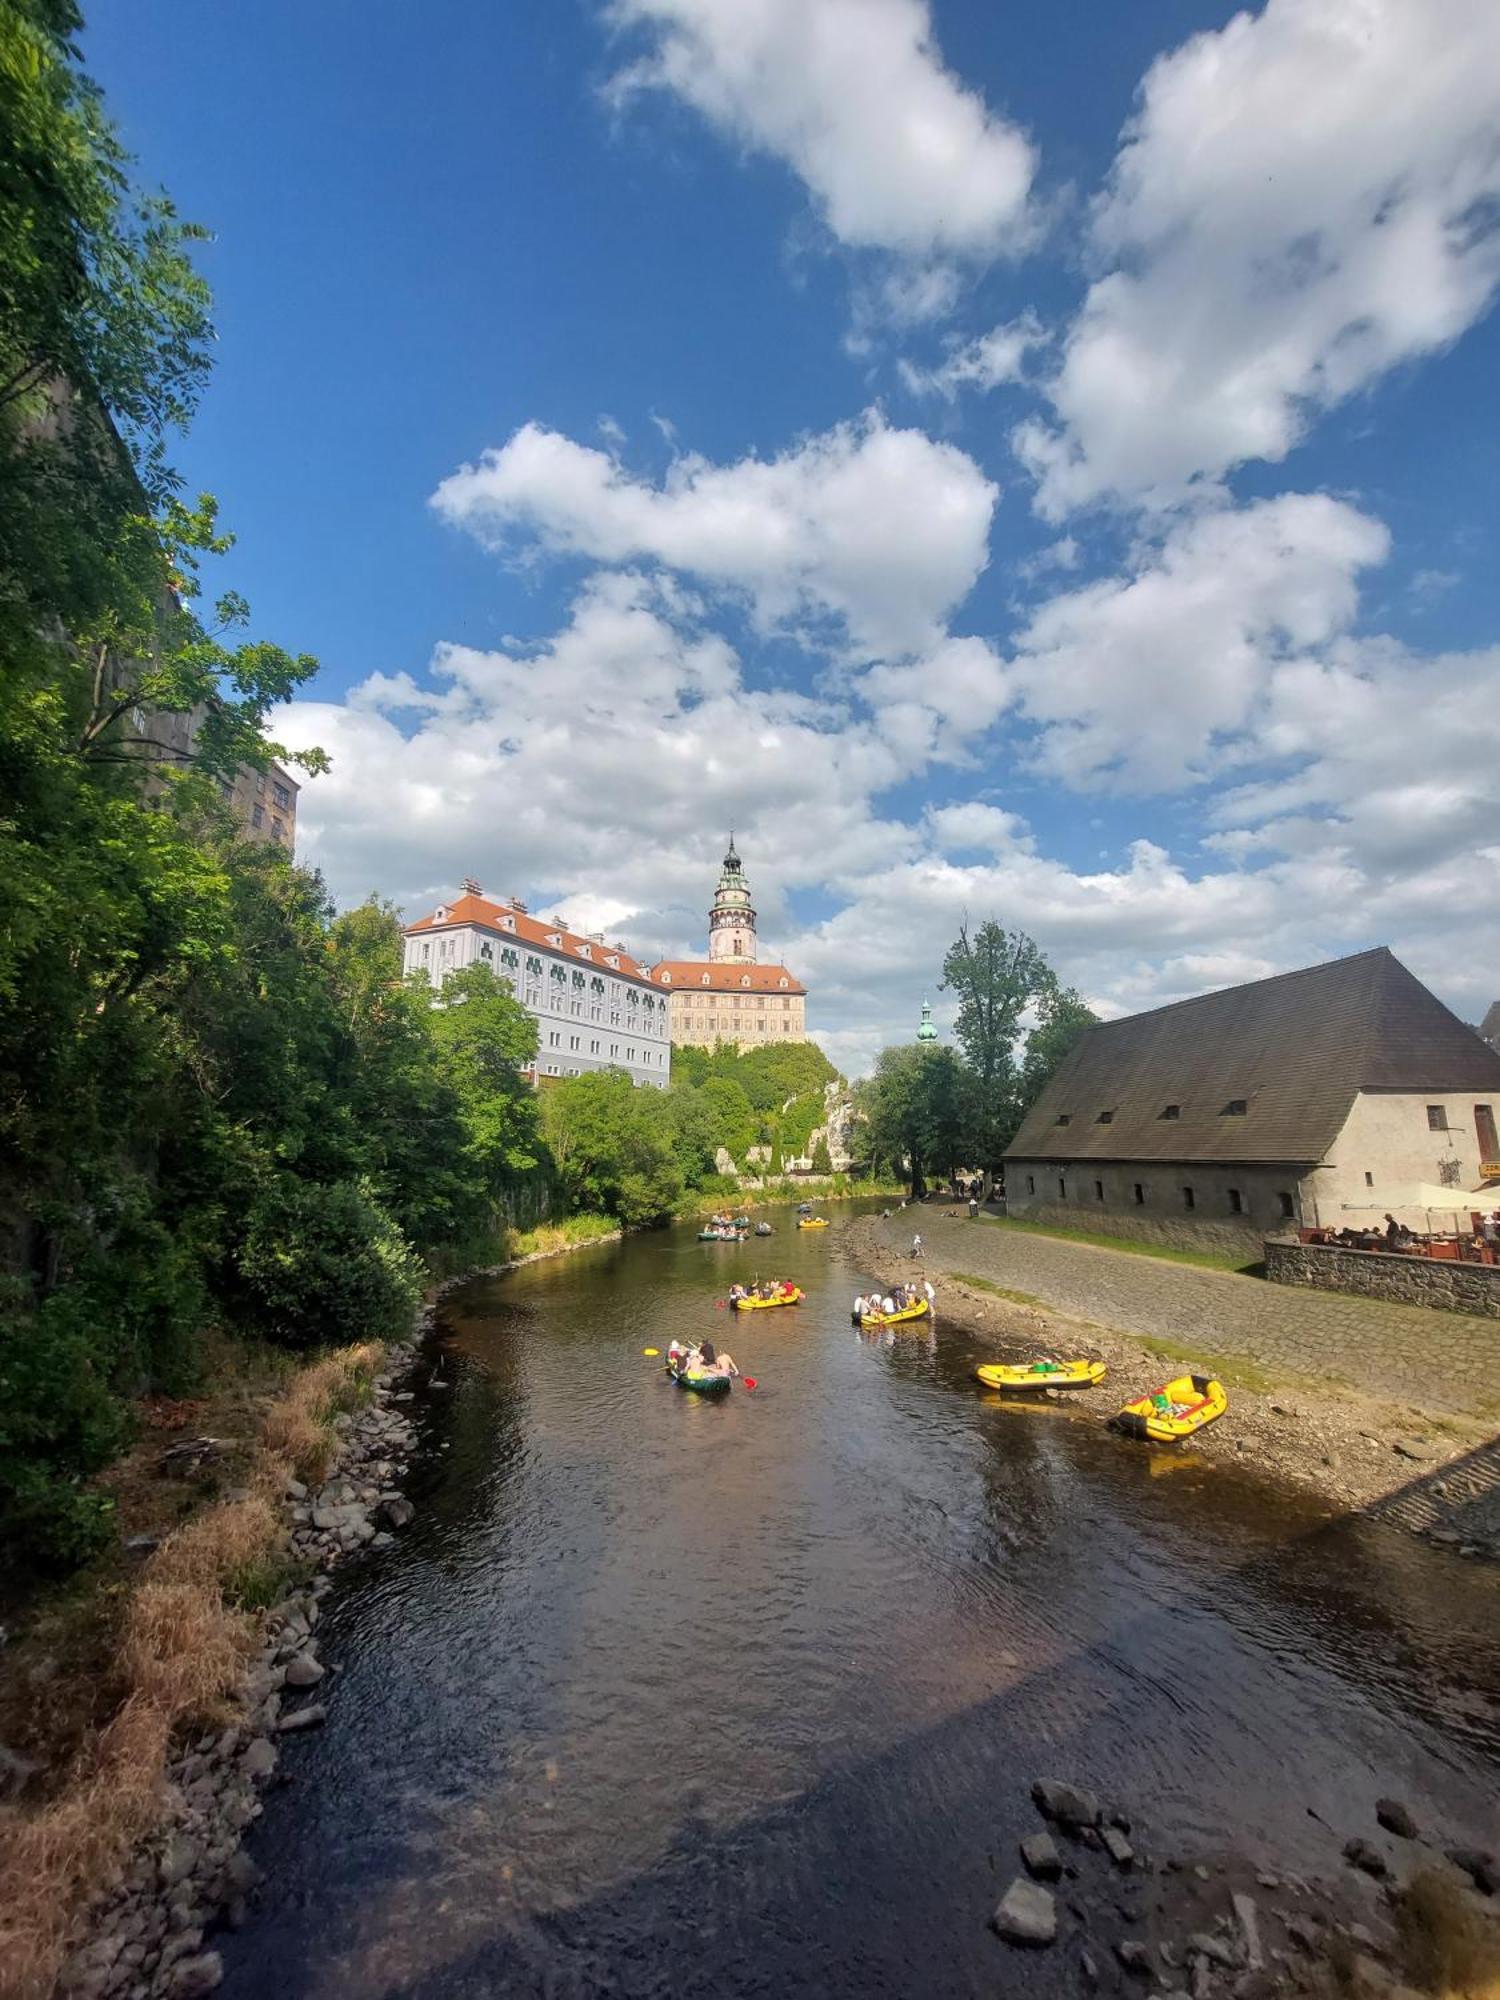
(1489, 1027)
(695, 975)
(509, 920)
(1295, 1049)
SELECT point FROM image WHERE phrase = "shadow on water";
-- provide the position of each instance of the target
(661, 1697)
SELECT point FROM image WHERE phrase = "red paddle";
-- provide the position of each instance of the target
(748, 1380)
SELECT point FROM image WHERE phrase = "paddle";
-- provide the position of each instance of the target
(652, 1351)
(749, 1381)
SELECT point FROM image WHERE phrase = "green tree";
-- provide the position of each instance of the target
(612, 1144)
(822, 1159)
(1062, 1017)
(915, 1105)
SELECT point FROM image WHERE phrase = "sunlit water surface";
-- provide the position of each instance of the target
(663, 1697)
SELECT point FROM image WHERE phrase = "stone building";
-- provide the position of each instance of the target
(1325, 1097)
(729, 997)
(594, 1006)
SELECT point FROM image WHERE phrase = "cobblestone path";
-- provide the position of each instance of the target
(1441, 1361)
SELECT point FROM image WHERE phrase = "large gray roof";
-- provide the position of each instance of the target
(1297, 1049)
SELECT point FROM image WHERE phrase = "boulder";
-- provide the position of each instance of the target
(397, 1512)
(303, 1671)
(1026, 1913)
(1396, 1817)
(179, 1858)
(1118, 1847)
(1069, 1805)
(191, 1978)
(1364, 1854)
(1134, 1954)
(303, 1718)
(1480, 1866)
(1039, 1852)
(1248, 1920)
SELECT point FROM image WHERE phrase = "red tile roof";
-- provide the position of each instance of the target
(699, 975)
(504, 920)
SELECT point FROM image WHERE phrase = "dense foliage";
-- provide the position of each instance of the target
(932, 1110)
(218, 1101)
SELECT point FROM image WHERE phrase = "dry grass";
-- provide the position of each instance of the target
(1448, 1945)
(180, 1650)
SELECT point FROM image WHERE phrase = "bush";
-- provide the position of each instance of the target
(324, 1265)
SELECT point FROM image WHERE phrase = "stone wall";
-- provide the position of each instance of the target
(1378, 1274)
(1184, 1232)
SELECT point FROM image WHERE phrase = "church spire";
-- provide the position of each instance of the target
(927, 1032)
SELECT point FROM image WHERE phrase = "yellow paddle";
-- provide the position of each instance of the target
(651, 1350)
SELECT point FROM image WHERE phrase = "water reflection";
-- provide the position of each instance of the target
(667, 1696)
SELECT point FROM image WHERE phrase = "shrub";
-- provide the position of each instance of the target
(324, 1264)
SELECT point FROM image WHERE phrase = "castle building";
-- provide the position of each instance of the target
(593, 1004)
(729, 997)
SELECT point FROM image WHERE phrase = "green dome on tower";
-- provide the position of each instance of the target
(927, 1032)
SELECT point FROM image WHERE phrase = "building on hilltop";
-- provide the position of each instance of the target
(728, 997)
(1326, 1096)
(594, 1005)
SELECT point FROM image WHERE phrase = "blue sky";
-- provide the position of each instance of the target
(1029, 462)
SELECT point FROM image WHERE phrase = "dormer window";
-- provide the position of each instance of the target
(745, 979)
(705, 979)
(1171, 1111)
(1063, 1118)
(666, 979)
(611, 961)
(1105, 1118)
(584, 951)
(782, 982)
(442, 915)
(554, 939)
(1235, 1108)
(509, 923)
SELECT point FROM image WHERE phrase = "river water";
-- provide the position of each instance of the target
(665, 1697)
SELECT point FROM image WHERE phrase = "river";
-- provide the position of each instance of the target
(665, 1697)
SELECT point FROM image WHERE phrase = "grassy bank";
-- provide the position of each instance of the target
(777, 1193)
(1208, 1260)
(124, 1660)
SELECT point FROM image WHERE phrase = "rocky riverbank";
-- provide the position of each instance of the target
(1396, 1912)
(151, 1939)
(1429, 1474)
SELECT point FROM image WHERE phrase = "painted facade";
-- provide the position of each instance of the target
(594, 1005)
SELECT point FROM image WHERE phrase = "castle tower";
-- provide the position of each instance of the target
(731, 921)
(928, 1031)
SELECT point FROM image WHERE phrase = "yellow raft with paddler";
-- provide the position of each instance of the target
(812, 1221)
(918, 1309)
(1031, 1377)
(1178, 1409)
(789, 1295)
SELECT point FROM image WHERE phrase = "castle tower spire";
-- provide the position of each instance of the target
(731, 921)
(928, 1030)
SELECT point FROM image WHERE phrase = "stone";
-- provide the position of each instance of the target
(397, 1513)
(1070, 1805)
(1039, 1852)
(1216, 1949)
(259, 1760)
(1026, 1914)
(1303, 1934)
(1416, 1449)
(1480, 1866)
(1396, 1817)
(191, 1978)
(303, 1671)
(1360, 1853)
(303, 1718)
(1118, 1847)
(1089, 1967)
(1134, 1954)
(179, 1858)
(241, 1873)
(1246, 1917)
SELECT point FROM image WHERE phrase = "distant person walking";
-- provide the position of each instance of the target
(916, 1246)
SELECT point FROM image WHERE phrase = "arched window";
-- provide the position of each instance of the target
(487, 950)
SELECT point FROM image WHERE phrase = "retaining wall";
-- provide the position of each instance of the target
(1378, 1274)
(1227, 1239)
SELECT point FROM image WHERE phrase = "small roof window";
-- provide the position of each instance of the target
(1171, 1111)
(1105, 1118)
(1235, 1108)
(1064, 1118)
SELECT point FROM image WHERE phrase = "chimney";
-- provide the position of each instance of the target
(470, 887)
(517, 904)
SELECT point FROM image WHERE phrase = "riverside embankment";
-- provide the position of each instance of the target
(658, 1696)
(1371, 1406)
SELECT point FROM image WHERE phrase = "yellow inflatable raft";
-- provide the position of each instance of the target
(812, 1222)
(1178, 1409)
(1026, 1377)
(791, 1298)
(918, 1311)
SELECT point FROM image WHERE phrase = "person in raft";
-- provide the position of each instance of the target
(737, 1291)
(708, 1361)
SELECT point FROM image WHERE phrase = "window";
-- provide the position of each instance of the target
(1369, 1180)
(1285, 1203)
(553, 1039)
(1437, 1118)
(277, 829)
(1171, 1111)
(1140, 1195)
(1236, 1202)
(1188, 1198)
(282, 796)
(1105, 1118)
(593, 1048)
(1098, 1190)
(258, 816)
(572, 1041)
(1235, 1108)
(260, 786)
(1484, 1131)
(1064, 1118)
(1031, 1183)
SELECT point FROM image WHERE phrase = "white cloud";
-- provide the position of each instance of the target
(1305, 199)
(1152, 680)
(853, 95)
(984, 363)
(881, 529)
